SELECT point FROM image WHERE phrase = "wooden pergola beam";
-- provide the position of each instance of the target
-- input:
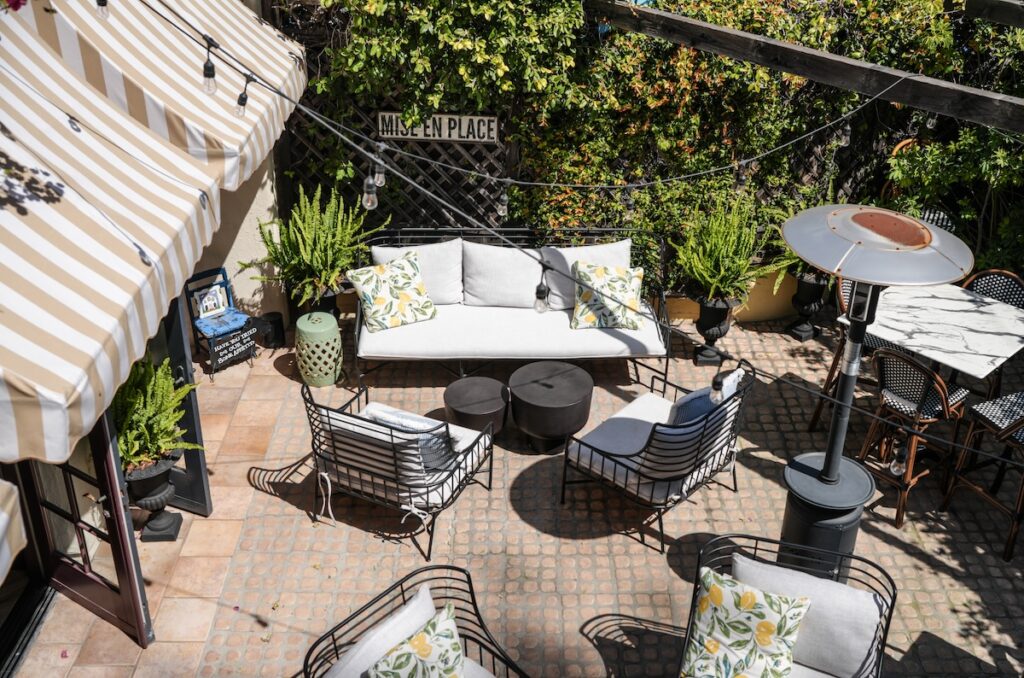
(918, 91)
(1009, 12)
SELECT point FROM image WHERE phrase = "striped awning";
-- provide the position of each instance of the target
(101, 223)
(153, 71)
(12, 529)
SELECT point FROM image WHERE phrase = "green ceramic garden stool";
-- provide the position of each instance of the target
(318, 348)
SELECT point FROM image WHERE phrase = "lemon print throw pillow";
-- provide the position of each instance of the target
(392, 294)
(739, 630)
(608, 297)
(434, 651)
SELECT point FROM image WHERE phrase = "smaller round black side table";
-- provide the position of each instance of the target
(550, 401)
(473, 402)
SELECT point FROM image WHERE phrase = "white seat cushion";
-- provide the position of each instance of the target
(348, 473)
(376, 642)
(801, 671)
(563, 289)
(440, 266)
(499, 276)
(838, 634)
(492, 333)
(470, 669)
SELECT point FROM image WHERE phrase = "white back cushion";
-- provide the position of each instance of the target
(563, 289)
(376, 642)
(837, 635)
(440, 266)
(499, 276)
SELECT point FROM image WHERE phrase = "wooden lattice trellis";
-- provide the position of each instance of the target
(305, 143)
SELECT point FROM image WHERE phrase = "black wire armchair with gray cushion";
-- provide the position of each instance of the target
(654, 454)
(852, 600)
(332, 654)
(393, 458)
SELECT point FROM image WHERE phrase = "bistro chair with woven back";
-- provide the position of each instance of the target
(1002, 418)
(871, 342)
(914, 397)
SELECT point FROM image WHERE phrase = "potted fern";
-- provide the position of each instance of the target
(147, 409)
(310, 254)
(715, 254)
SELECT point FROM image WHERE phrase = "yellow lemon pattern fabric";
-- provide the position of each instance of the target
(392, 294)
(432, 652)
(608, 297)
(739, 630)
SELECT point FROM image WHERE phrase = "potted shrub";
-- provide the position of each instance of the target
(715, 254)
(311, 252)
(147, 409)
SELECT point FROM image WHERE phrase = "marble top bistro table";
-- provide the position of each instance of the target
(958, 328)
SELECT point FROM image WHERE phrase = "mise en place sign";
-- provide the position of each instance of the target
(480, 129)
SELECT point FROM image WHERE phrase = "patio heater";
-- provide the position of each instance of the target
(873, 248)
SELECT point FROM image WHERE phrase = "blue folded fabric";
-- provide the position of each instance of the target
(218, 325)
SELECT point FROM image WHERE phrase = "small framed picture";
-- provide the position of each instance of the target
(211, 301)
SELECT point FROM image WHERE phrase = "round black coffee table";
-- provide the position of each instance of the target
(473, 402)
(550, 401)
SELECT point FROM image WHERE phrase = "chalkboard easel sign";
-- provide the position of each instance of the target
(227, 349)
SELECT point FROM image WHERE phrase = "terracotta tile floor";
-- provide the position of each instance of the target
(245, 591)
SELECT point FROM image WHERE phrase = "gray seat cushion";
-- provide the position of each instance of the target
(801, 671)
(470, 669)
(626, 432)
(440, 266)
(563, 289)
(460, 332)
(837, 636)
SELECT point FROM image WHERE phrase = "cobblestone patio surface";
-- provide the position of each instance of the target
(569, 590)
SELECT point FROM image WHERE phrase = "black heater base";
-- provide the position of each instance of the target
(822, 515)
(802, 330)
(162, 526)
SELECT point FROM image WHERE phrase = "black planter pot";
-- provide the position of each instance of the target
(808, 300)
(328, 303)
(151, 489)
(713, 323)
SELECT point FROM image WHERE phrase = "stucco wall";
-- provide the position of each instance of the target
(238, 239)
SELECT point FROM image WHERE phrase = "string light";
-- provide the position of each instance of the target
(102, 10)
(209, 70)
(630, 206)
(369, 193)
(243, 97)
(379, 176)
(540, 304)
(502, 208)
(845, 136)
(932, 121)
(740, 175)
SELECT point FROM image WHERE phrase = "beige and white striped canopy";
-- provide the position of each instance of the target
(101, 222)
(12, 529)
(154, 72)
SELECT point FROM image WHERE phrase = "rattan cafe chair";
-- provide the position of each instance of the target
(911, 396)
(1003, 418)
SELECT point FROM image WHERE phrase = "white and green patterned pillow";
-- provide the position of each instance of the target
(602, 308)
(740, 630)
(433, 651)
(392, 294)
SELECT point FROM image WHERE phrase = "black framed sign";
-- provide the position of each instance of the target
(227, 349)
(477, 129)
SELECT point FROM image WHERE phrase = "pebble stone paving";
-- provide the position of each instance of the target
(569, 590)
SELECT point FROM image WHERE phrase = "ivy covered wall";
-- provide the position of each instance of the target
(582, 103)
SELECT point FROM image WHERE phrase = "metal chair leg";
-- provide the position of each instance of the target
(953, 482)
(1001, 473)
(565, 477)
(1018, 516)
(661, 531)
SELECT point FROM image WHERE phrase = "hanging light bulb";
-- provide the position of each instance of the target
(379, 176)
(102, 10)
(209, 70)
(740, 172)
(932, 121)
(502, 208)
(630, 206)
(540, 304)
(369, 193)
(899, 463)
(243, 97)
(845, 135)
